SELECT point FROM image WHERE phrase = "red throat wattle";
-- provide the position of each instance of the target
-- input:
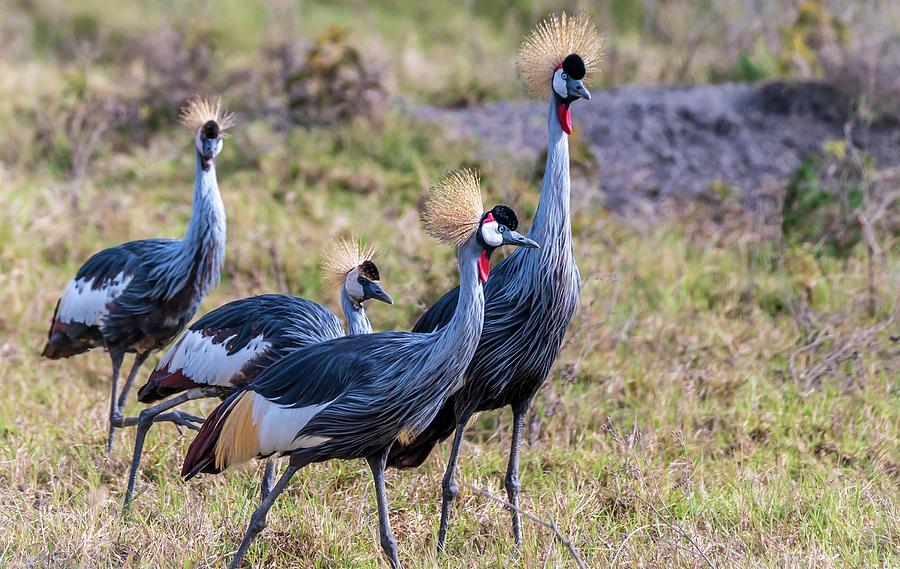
(484, 266)
(565, 117)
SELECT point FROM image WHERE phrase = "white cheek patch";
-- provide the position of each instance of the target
(559, 84)
(198, 143)
(219, 146)
(204, 361)
(491, 234)
(351, 284)
(82, 303)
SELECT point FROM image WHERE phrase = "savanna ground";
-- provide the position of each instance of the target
(728, 393)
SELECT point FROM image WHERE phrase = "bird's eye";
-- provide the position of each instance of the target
(563, 76)
(501, 229)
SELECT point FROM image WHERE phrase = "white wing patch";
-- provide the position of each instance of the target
(278, 425)
(82, 303)
(204, 361)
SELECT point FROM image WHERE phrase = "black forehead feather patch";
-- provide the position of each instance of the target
(211, 130)
(574, 67)
(369, 270)
(505, 215)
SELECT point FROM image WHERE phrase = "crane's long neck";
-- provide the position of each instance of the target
(203, 246)
(355, 313)
(461, 335)
(552, 226)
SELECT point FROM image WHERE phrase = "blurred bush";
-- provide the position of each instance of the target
(170, 66)
(822, 200)
(329, 80)
(868, 73)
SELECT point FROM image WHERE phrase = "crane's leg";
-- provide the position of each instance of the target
(139, 360)
(512, 469)
(149, 416)
(377, 463)
(258, 519)
(116, 357)
(449, 488)
(268, 480)
(118, 400)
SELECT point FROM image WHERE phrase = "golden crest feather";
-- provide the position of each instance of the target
(549, 42)
(198, 111)
(452, 207)
(342, 256)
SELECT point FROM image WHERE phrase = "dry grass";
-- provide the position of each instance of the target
(676, 429)
(671, 431)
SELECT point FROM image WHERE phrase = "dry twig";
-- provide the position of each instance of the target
(677, 527)
(845, 348)
(551, 525)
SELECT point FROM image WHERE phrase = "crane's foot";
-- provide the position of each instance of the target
(116, 420)
(180, 419)
(512, 494)
(144, 421)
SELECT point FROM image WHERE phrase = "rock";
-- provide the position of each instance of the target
(671, 142)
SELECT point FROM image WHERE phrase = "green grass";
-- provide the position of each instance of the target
(671, 432)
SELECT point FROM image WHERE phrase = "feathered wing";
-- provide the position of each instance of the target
(272, 409)
(229, 346)
(288, 406)
(88, 299)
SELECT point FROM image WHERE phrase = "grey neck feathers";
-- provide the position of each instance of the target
(462, 333)
(449, 350)
(552, 227)
(355, 313)
(202, 252)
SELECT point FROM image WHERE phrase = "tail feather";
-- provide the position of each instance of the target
(201, 453)
(163, 384)
(70, 338)
(227, 437)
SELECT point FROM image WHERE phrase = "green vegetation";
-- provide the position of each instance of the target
(724, 397)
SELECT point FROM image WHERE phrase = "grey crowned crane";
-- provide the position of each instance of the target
(136, 297)
(352, 397)
(228, 347)
(531, 296)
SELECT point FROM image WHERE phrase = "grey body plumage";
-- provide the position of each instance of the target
(136, 297)
(530, 299)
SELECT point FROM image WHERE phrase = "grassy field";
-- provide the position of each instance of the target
(724, 398)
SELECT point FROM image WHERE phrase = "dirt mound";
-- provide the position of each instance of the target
(656, 142)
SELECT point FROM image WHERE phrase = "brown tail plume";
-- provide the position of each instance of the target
(163, 384)
(227, 437)
(69, 338)
(201, 455)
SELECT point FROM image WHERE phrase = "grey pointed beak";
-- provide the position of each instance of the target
(577, 89)
(373, 291)
(208, 152)
(515, 238)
